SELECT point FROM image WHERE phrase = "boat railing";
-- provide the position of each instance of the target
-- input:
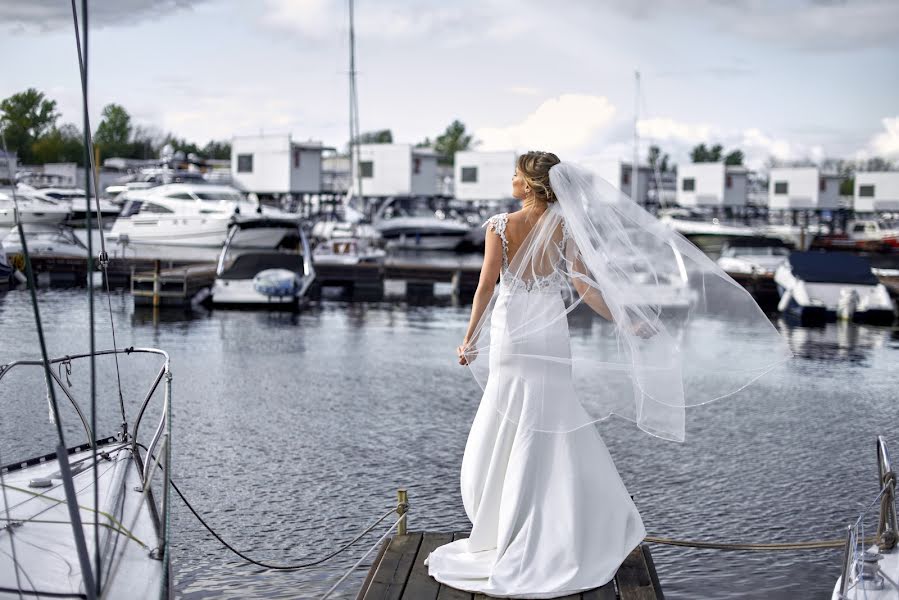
(163, 427)
(866, 567)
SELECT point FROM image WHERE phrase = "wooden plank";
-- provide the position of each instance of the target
(371, 572)
(393, 570)
(449, 593)
(420, 584)
(634, 582)
(606, 592)
(653, 574)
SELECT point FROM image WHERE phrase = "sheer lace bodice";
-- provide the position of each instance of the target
(509, 281)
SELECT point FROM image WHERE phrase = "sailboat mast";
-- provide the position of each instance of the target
(635, 168)
(354, 110)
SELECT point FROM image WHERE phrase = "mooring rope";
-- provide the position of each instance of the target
(809, 545)
(363, 557)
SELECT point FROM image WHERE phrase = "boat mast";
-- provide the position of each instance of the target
(635, 169)
(354, 111)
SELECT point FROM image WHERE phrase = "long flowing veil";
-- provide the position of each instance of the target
(677, 332)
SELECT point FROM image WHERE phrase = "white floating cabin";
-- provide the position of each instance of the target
(803, 188)
(396, 170)
(484, 175)
(713, 185)
(276, 165)
(876, 191)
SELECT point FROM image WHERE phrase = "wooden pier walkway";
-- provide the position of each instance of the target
(399, 573)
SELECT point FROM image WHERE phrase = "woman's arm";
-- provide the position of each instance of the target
(590, 295)
(486, 283)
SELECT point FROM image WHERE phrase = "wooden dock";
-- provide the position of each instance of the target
(171, 287)
(399, 573)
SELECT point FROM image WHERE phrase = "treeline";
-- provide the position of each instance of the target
(28, 122)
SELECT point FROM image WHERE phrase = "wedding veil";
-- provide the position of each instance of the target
(677, 332)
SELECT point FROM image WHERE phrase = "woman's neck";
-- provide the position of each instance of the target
(533, 205)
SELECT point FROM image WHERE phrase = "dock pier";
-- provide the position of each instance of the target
(399, 573)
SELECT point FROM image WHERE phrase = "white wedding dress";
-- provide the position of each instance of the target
(550, 515)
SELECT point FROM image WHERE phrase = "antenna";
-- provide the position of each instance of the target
(635, 170)
(354, 110)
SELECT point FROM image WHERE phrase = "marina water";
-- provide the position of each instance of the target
(292, 433)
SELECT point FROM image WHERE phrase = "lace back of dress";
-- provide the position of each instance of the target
(535, 266)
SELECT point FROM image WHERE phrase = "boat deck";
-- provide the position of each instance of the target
(399, 573)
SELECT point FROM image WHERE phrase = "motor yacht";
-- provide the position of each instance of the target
(192, 220)
(753, 255)
(412, 224)
(77, 203)
(32, 210)
(46, 241)
(816, 287)
(268, 277)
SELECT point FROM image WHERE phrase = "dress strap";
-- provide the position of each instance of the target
(498, 223)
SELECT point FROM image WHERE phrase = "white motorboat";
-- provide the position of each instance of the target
(414, 225)
(753, 256)
(77, 203)
(347, 251)
(876, 231)
(816, 287)
(187, 219)
(693, 223)
(797, 236)
(264, 277)
(46, 499)
(32, 210)
(871, 571)
(46, 241)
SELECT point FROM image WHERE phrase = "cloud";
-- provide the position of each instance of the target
(886, 143)
(665, 129)
(810, 25)
(50, 15)
(392, 20)
(562, 124)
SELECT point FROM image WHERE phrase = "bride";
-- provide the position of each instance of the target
(550, 515)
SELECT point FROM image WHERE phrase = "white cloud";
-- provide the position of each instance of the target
(562, 124)
(665, 129)
(886, 143)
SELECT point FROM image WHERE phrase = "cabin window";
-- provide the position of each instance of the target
(625, 178)
(244, 163)
(416, 166)
(858, 228)
(469, 174)
(181, 196)
(866, 191)
(367, 169)
(781, 187)
(729, 182)
(822, 185)
(296, 158)
(689, 184)
(150, 207)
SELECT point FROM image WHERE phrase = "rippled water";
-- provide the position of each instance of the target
(293, 431)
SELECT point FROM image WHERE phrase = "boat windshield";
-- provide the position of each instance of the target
(219, 196)
(756, 251)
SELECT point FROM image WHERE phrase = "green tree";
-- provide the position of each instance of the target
(181, 144)
(701, 154)
(26, 116)
(453, 140)
(381, 136)
(657, 160)
(215, 149)
(734, 158)
(63, 144)
(425, 143)
(114, 132)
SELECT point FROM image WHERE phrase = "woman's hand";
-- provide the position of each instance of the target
(466, 353)
(643, 329)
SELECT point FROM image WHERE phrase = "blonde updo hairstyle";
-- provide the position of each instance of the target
(534, 168)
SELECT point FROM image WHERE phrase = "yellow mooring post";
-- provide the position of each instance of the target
(402, 508)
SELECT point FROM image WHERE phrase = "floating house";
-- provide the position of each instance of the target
(876, 191)
(803, 188)
(484, 175)
(712, 185)
(276, 165)
(396, 170)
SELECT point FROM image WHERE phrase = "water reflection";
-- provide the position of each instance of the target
(840, 341)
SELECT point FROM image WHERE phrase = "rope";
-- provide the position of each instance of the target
(359, 562)
(292, 567)
(810, 545)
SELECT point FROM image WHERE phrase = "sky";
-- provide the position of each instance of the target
(790, 79)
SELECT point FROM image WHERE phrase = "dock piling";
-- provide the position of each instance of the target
(402, 508)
